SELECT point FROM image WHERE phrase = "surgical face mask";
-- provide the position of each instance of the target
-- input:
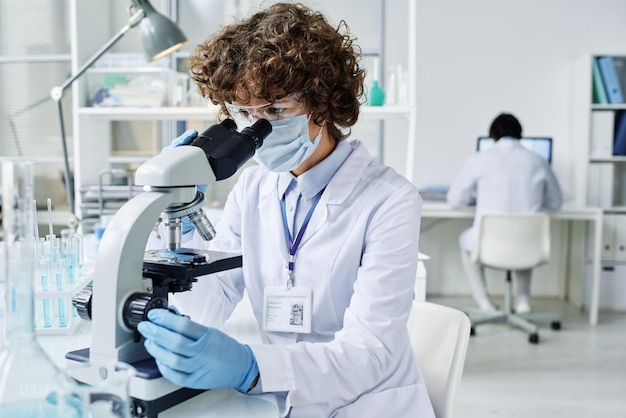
(288, 145)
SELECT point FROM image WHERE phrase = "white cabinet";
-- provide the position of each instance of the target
(612, 286)
(93, 127)
(613, 238)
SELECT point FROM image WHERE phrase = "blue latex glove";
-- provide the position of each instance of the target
(191, 355)
(186, 138)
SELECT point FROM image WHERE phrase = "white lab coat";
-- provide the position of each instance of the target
(359, 256)
(506, 178)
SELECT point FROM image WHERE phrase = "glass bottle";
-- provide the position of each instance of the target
(374, 94)
(30, 382)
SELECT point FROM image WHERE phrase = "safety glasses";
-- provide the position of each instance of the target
(287, 107)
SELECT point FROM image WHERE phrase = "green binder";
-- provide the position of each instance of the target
(599, 92)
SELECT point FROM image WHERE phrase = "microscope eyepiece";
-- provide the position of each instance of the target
(229, 124)
(258, 131)
(226, 149)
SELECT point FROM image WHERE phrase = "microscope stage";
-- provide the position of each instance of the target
(187, 262)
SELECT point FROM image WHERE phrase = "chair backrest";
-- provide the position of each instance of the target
(439, 337)
(513, 242)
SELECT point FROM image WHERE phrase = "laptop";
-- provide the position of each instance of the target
(540, 145)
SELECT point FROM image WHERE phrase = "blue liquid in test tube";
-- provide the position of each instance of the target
(62, 314)
(59, 278)
(43, 264)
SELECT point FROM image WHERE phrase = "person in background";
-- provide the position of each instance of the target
(329, 237)
(507, 178)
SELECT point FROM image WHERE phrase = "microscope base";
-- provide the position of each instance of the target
(150, 393)
(151, 409)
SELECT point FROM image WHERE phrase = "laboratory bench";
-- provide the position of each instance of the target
(222, 403)
(218, 403)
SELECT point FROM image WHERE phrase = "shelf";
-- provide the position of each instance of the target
(205, 113)
(48, 160)
(386, 112)
(615, 210)
(94, 128)
(148, 113)
(613, 159)
(612, 106)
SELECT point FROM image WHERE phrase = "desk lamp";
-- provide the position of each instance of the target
(159, 37)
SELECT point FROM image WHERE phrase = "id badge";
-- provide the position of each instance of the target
(287, 310)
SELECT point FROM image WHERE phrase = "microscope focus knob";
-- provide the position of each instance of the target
(137, 307)
(82, 302)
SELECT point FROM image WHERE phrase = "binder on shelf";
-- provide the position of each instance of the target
(619, 62)
(619, 144)
(602, 133)
(600, 185)
(599, 92)
(610, 80)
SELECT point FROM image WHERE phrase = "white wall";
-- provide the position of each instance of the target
(478, 58)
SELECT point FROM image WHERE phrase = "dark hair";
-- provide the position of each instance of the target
(505, 124)
(286, 48)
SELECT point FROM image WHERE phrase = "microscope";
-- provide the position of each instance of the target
(128, 281)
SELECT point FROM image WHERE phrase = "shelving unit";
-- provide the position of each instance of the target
(93, 125)
(207, 113)
(601, 178)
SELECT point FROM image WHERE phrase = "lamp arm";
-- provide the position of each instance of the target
(69, 183)
(57, 92)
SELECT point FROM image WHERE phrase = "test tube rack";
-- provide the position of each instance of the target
(54, 312)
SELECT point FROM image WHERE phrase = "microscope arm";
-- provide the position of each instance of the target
(118, 271)
(169, 181)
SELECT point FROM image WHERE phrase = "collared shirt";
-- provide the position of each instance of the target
(300, 191)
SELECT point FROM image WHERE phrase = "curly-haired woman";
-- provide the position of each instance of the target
(329, 236)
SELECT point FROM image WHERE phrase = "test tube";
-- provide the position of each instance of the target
(60, 274)
(73, 257)
(42, 278)
(80, 252)
(62, 313)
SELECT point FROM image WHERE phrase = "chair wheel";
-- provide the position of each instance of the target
(556, 325)
(533, 338)
(472, 331)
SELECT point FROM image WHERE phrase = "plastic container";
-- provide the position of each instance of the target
(136, 87)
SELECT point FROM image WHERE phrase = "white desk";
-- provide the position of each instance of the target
(441, 210)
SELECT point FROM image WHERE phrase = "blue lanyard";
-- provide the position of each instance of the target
(292, 245)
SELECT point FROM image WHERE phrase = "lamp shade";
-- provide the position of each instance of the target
(159, 36)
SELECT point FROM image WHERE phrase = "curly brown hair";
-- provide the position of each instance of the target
(286, 48)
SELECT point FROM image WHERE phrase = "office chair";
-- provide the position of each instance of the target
(509, 243)
(439, 337)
